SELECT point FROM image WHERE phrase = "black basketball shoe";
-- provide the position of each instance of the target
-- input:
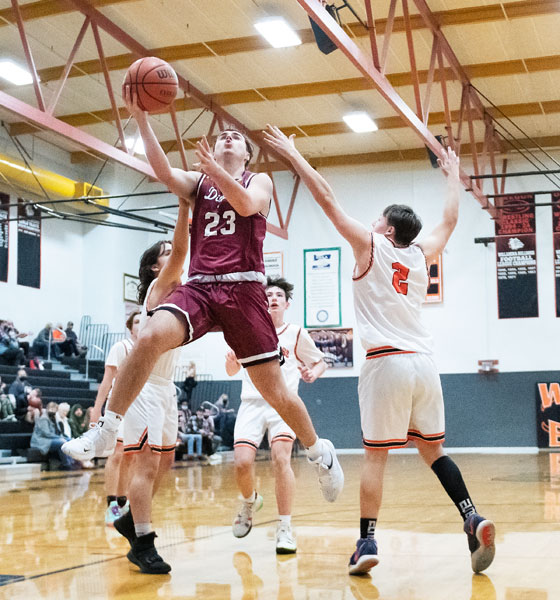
(143, 554)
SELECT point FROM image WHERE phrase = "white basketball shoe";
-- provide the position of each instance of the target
(97, 442)
(331, 476)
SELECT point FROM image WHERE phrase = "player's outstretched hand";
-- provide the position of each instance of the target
(307, 374)
(450, 163)
(206, 162)
(277, 140)
(131, 100)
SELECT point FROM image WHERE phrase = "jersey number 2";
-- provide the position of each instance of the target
(214, 218)
(399, 278)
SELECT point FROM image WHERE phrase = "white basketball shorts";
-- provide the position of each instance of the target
(400, 401)
(253, 420)
(152, 418)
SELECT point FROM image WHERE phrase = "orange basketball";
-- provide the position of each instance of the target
(155, 83)
(34, 402)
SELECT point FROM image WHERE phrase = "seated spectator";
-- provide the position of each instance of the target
(62, 423)
(72, 346)
(10, 352)
(47, 440)
(34, 405)
(18, 335)
(58, 336)
(78, 420)
(6, 406)
(43, 341)
(215, 439)
(188, 432)
(19, 389)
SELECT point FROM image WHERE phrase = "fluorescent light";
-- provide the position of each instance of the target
(278, 33)
(14, 73)
(136, 145)
(360, 122)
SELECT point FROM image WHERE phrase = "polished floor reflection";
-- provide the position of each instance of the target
(53, 543)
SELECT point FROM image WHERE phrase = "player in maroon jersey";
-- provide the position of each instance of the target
(225, 290)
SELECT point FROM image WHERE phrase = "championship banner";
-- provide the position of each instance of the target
(4, 236)
(548, 415)
(556, 245)
(29, 245)
(516, 257)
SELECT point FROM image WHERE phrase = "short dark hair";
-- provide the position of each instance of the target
(130, 319)
(248, 145)
(281, 283)
(406, 222)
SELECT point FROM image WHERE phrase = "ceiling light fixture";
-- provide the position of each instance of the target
(15, 74)
(360, 122)
(278, 33)
(136, 145)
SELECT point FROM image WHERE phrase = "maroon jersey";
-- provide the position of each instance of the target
(222, 241)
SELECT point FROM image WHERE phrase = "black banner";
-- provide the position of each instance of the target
(516, 257)
(556, 245)
(4, 236)
(548, 415)
(29, 245)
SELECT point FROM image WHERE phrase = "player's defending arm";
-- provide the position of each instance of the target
(170, 276)
(352, 230)
(232, 364)
(438, 238)
(181, 183)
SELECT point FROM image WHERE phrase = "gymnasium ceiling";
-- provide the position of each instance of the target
(510, 50)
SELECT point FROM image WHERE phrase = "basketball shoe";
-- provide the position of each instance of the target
(112, 513)
(143, 554)
(331, 476)
(243, 522)
(481, 534)
(97, 442)
(285, 543)
(125, 526)
(364, 558)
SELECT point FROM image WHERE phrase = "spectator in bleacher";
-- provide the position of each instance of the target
(61, 419)
(19, 389)
(46, 438)
(18, 335)
(209, 425)
(10, 352)
(78, 420)
(187, 434)
(72, 346)
(190, 382)
(6, 406)
(43, 340)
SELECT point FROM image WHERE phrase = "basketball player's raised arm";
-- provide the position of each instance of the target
(170, 276)
(246, 201)
(352, 230)
(181, 183)
(436, 241)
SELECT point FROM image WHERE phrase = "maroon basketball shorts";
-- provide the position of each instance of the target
(240, 310)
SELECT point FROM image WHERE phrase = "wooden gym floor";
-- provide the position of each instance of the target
(53, 543)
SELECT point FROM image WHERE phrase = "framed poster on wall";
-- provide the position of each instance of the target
(130, 288)
(321, 283)
(273, 264)
(435, 281)
(336, 344)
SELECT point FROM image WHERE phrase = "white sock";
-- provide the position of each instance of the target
(316, 450)
(112, 421)
(142, 528)
(285, 519)
(251, 499)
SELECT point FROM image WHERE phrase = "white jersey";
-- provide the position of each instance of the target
(118, 353)
(298, 349)
(166, 363)
(388, 298)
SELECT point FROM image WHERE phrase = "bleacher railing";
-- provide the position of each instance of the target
(94, 337)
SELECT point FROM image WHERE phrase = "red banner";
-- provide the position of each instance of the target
(556, 244)
(516, 257)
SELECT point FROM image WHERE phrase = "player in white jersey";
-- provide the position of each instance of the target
(302, 360)
(116, 467)
(399, 388)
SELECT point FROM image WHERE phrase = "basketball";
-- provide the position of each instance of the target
(155, 83)
(34, 402)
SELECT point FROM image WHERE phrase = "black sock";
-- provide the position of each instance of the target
(121, 501)
(451, 479)
(367, 528)
(111, 499)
